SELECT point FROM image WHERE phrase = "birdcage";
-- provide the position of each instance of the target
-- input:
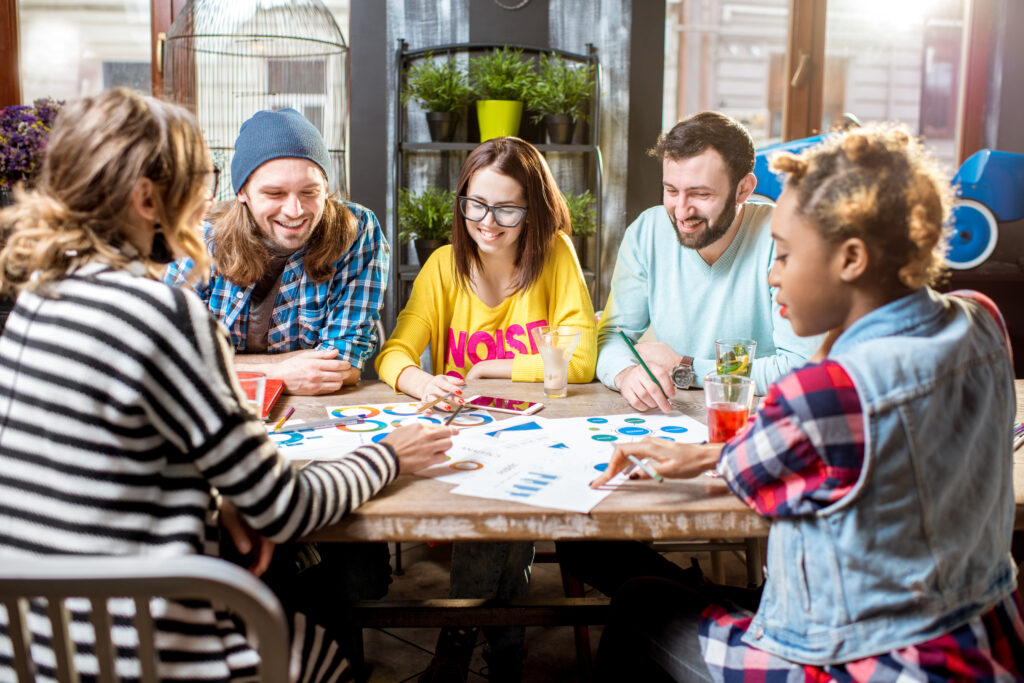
(227, 59)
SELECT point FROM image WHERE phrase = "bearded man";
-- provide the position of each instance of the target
(695, 270)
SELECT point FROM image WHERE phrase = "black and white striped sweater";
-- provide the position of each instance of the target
(119, 414)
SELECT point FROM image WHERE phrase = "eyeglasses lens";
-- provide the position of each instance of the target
(505, 216)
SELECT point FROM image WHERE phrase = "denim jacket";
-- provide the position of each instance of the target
(922, 542)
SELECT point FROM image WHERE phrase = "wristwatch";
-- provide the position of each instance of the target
(682, 374)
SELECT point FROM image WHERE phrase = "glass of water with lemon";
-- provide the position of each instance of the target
(734, 356)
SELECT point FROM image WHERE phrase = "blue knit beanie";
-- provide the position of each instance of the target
(273, 135)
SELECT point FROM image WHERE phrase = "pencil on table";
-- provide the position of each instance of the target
(287, 414)
(458, 409)
(431, 404)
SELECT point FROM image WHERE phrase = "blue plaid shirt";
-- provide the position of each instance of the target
(339, 313)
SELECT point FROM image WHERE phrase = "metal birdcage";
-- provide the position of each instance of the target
(227, 59)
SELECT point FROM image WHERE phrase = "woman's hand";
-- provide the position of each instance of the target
(439, 385)
(420, 445)
(491, 369)
(667, 458)
(246, 538)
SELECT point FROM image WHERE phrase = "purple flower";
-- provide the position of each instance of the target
(24, 131)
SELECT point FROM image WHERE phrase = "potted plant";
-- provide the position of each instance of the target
(583, 217)
(560, 96)
(442, 91)
(425, 219)
(501, 79)
(24, 131)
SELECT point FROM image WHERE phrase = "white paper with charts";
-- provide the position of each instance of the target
(379, 420)
(550, 463)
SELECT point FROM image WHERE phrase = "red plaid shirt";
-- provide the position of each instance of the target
(803, 451)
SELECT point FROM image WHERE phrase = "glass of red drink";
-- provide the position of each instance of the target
(728, 399)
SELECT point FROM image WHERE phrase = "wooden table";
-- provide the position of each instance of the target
(418, 509)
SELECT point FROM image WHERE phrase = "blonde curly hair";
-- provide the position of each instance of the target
(879, 185)
(100, 147)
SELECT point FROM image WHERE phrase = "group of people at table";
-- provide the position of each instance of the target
(125, 432)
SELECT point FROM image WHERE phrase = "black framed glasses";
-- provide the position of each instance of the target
(505, 216)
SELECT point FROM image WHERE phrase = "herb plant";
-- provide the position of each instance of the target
(561, 89)
(425, 215)
(501, 74)
(439, 85)
(582, 213)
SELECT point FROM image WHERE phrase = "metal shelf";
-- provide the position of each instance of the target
(403, 272)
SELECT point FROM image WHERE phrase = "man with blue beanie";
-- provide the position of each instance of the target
(298, 276)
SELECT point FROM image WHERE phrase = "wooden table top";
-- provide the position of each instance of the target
(419, 509)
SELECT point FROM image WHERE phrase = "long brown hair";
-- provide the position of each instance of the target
(98, 150)
(546, 211)
(241, 256)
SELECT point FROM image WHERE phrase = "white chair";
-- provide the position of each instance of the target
(98, 579)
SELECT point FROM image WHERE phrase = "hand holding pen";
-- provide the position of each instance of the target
(440, 389)
(658, 457)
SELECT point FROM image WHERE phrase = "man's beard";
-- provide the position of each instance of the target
(713, 230)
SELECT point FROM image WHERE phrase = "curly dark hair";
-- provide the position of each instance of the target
(877, 184)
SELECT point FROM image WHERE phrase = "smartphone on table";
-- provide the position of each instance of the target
(514, 406)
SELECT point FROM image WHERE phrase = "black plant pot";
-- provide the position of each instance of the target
(560, 128)
(424, 248)
(442, 125)
(6, 198)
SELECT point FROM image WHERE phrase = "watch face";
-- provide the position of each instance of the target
(682, 376)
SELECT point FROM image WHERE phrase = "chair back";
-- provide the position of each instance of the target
(98, 579)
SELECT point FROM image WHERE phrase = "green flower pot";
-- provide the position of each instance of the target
(498, 118)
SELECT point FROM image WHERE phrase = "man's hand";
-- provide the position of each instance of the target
(643, 394)
(420, 445)
(658, 353)
(245, 538)
(667, 458)
(309, 372)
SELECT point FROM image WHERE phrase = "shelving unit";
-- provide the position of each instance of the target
(419, 162)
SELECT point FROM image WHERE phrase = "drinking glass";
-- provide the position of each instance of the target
(734, 356)
(728, 399)
(253, 385)
(556, 343)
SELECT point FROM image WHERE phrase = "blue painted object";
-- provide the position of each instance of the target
(769, 185)
(990, 190)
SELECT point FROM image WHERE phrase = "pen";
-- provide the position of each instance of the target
(458, 409)
(437, 400)
(646, 468)
(321, 424)
(280, 423)
(642, 363)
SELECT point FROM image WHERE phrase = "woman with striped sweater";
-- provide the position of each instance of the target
(121, 426)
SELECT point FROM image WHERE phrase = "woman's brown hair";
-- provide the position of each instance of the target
(876, 184)
(241, 255)
(98, 150)
(546, 210)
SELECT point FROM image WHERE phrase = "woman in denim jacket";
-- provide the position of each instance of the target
(885, 464)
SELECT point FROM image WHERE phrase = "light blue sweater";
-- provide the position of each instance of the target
(658, 283)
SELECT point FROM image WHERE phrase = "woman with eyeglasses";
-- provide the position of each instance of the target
(123, 430)
(510, 267)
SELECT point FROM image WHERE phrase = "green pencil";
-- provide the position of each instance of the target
(642, 363)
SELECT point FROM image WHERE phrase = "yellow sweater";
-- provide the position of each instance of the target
(462, 330)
